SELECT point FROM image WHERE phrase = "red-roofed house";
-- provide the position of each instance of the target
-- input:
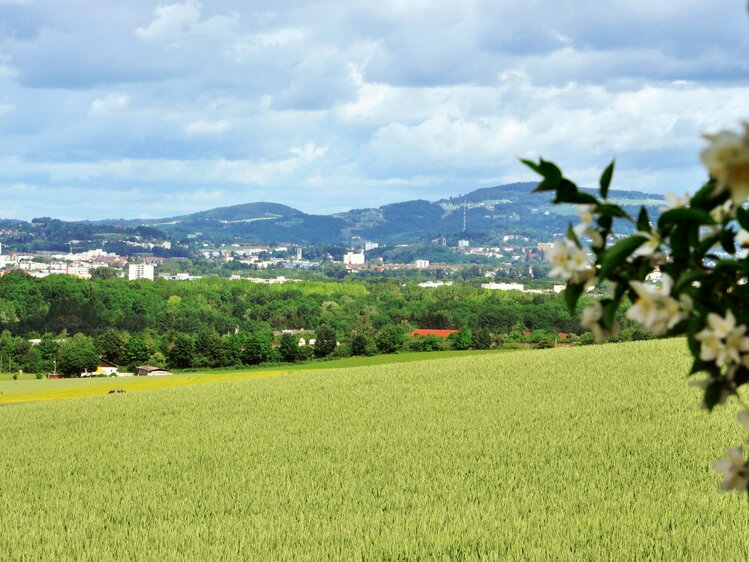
(438, 333)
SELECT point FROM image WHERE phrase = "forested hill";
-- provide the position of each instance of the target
(487, 213)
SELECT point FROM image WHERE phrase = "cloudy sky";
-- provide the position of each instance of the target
(142, 109)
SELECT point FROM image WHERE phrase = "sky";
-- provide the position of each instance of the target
(147, 109)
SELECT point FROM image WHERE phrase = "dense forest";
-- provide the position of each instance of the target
(216, 322)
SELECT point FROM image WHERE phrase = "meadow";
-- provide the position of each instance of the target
(597, 452)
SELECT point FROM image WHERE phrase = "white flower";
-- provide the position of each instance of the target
(591, 320)
(583, 230)
(655, 308)
(586, 213)
(674, 201)
(726, 210)
(734, 469)
(723, 149)
(649, 247)
(727, 160)
(742, 238)
(723, 341)
(569, 262)
(686, 302)
(722, 326)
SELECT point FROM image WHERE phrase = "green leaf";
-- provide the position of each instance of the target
(704, 245)
(728, 266)
(609, 312)
(687, 279)
(572, 235)
(742, 215)
(741, 376)
(572, 295)
(643, 221)
(726, 240)
(713, 394)
(576, 197)
(532, 165)
(606, 179)
(618, 253)
(704, 198)
(611, 210)
(551, 173)
(685, 214)
(699, 366)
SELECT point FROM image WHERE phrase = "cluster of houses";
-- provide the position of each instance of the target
(109, 369)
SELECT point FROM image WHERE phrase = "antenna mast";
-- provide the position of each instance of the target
(465, 209)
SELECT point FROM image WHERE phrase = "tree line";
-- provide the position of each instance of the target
(216, 322)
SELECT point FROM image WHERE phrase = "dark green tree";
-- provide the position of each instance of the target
(137, 351)
(103, 272)
(182, 351)
(325, 341)
(481, 339)
(208, 346)
(77, 355)
(231, 349)
(426, 343)
(258, 348)
(360, 345)
(112, 345)
(289, 348)
(391, 339)
(462, 339)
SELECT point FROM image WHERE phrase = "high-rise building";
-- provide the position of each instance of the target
(140, 271)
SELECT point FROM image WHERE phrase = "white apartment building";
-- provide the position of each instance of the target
(352, 258)
(140, 271)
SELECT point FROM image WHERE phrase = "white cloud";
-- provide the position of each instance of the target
(19, 187)
(239, 171)
(253, 45)
(403, 99)
(172, 22)
(207, 128)
(110, 103)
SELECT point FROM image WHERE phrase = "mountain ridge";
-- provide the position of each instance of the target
(483, 214)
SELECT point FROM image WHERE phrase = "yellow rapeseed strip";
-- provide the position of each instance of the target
(140, 384)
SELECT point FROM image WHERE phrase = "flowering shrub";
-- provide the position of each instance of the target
(698, 250)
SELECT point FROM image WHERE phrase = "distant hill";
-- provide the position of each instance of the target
(487, 214)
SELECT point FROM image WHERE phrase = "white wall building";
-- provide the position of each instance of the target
(353, 258)
(503, 286)
(140, 271)
(421, 264)
(435, 284)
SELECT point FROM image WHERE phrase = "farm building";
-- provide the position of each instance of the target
(104, 367)
(438, 333)
(151, 371)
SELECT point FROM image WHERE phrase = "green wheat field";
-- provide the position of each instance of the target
(597, 452)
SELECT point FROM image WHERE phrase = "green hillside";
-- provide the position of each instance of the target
(585, 453)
